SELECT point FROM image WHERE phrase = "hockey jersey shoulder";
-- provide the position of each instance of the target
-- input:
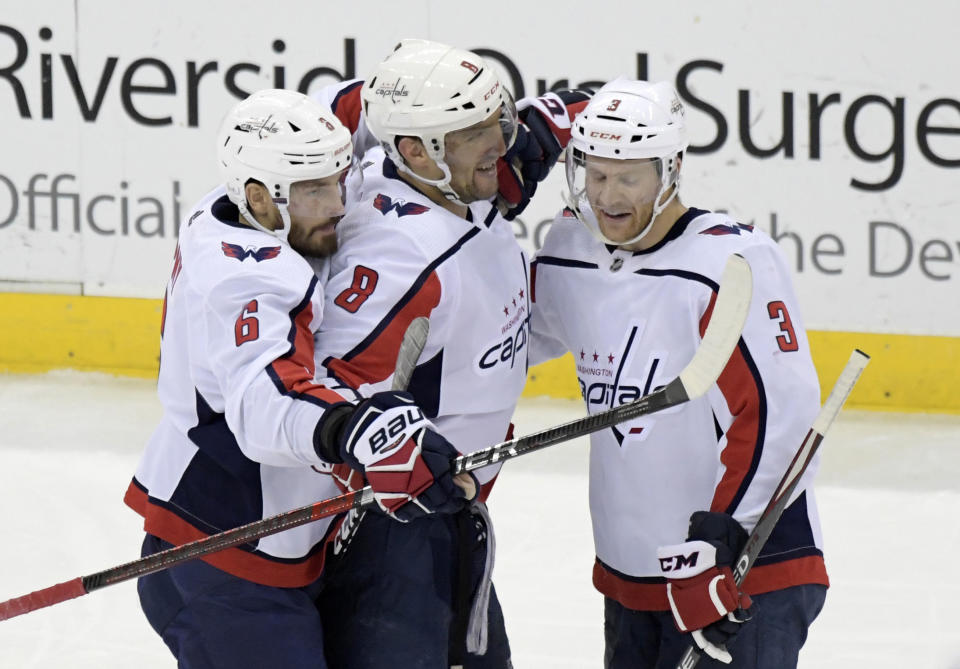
(710, 238)
(568, 240)
(712, 230)
(394, 219)
(217, 250)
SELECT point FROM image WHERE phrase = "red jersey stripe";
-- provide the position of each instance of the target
(377, 360)
(170, 527)
(653, 596)
(296, 369)
(347, 106)
(742, 394)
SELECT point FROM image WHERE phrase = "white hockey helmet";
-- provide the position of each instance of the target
(279, 137)
(427, 89)
(627, 120)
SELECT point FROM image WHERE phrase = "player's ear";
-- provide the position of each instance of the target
(258, 199)
(413, 151)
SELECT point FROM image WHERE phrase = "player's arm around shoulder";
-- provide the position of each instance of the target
(258, 324)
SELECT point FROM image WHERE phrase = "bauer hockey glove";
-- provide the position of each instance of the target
(704, 598)
(542, 135)
(407, 463)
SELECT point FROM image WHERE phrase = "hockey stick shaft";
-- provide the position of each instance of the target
(414, 339)
(719, 340)
(791, 478)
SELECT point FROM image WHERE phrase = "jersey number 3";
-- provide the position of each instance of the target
(787, 341)
(364, 283)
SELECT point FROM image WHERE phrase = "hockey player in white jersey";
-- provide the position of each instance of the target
(246, 432)
(427, 239)
(626, 281)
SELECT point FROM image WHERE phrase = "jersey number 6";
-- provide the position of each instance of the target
(247, 327)
(364, 282)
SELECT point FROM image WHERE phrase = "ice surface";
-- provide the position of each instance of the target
(887, 489)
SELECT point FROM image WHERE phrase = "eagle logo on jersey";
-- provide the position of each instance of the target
(384, 204)
(241, 254)
(723, 229)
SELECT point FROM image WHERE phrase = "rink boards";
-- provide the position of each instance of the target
(41, 332)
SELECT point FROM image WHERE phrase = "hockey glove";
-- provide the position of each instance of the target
(542, 135)
(703, 596)
(406, 462)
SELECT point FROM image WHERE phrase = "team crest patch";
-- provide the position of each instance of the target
(723, 229)
(384, 204)
(241, 254)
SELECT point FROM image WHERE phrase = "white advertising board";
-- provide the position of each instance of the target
(833, 126)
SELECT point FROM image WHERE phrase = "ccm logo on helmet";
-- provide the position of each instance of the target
(393, 434)
(491, 91)
(679, 561)
(604, 135)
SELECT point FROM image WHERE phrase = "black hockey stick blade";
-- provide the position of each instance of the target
(719, 340)
(788, 484)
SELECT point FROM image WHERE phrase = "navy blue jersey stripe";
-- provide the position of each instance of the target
(292, 334)
(792, 536)
(425, 385)
(646, 580)
(683, 274)
(564, 262)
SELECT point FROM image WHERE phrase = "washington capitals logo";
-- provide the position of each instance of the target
(241, 254)
(384, 203)
(723, 229)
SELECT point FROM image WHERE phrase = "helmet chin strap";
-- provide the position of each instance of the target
(251, 220)
(442, 184)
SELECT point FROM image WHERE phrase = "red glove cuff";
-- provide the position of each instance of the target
(703, 599)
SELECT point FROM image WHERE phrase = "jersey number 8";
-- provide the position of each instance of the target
(364, 283)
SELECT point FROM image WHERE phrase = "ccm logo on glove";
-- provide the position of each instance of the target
(678, 562)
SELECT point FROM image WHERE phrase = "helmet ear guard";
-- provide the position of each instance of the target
(427, 90)
(627, 120)
(277, 138)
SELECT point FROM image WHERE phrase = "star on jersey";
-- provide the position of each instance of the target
(241, 254)
(384, 204)
(723, 229)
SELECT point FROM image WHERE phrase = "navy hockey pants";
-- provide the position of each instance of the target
(389, 600)
(772, 638)
(212, 620)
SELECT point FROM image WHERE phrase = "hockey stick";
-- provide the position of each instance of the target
(414, 339)
(721, 337)
(719, 340)
(781, 496)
